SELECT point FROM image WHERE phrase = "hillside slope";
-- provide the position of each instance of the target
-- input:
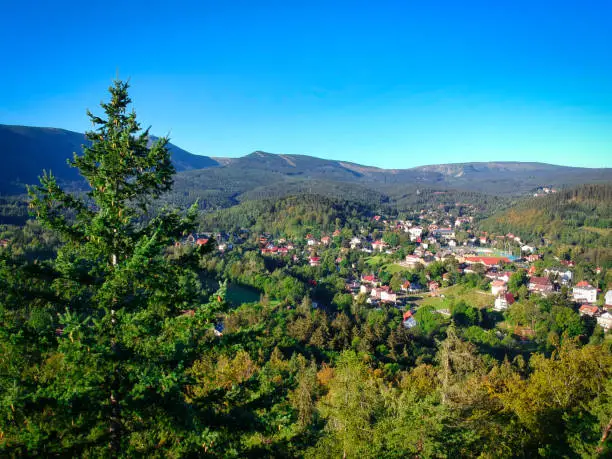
(576, 219)
(26, 151)
(225, 181)
(292, 216)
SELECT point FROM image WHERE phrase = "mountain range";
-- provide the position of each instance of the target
(221, 182)
(28, 150)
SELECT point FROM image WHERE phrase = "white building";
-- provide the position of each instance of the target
(608, 301)
(501, 304)
(415, 233)
(605, 321)
(389, 296)
(584, 292)
(498, 287)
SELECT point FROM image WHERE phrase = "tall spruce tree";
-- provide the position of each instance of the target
(106, 375)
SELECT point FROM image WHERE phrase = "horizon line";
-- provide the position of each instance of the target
(329, 159)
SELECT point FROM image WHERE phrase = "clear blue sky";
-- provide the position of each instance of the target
(391, 84)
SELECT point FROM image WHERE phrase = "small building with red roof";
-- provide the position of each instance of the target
(589, 310)
(487, 261)
(541, 285)
(408, 320)
(314, 261)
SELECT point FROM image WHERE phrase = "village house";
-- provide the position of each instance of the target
(314, 261)
(502, 302)
(504, 276)
(384, 293)
(269, 250)
(369, 279)
(541, 285)
(498, 287)
(445, 233)
(608, 298)
(461, 220)
(489, 262)
(605, 321)
(533, 257)
(412, 261)
(408, 320)
(584, 292)
(589, 310)
(388, 297)
(433, 287)
(415, 233)
(325, 240)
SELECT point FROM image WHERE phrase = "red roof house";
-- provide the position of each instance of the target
(487, 261)
(540, 285)
(589, 310)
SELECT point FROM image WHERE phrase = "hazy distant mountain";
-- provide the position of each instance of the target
(501, 178)
(26, 151)
(513, 177)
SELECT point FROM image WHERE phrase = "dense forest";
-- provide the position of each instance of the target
(576, 221)
(294, 216)
(114, 342)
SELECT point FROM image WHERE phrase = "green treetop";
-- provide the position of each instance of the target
(121, 320)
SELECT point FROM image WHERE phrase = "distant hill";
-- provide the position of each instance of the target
(223, 182)
(499, 178)
(265, 175)
(575, 220)
(26, 151)
(513, 177)
(292, 216)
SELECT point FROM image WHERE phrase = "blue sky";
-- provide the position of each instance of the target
(390, 84)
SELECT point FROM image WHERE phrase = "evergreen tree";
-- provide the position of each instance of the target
(111, 382)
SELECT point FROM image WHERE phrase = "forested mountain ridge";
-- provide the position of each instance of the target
(32, 149)
(499, 178)
(26, 151)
